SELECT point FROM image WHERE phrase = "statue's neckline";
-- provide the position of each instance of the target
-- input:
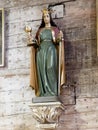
(46, 28)
(49, 27)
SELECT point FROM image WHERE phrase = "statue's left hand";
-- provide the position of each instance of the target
(60, 36)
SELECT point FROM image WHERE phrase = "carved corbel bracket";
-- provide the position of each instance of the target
(47, 114)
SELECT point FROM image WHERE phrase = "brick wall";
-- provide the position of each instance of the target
(79, 27)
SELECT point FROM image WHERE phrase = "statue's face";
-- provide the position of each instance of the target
(46, 18)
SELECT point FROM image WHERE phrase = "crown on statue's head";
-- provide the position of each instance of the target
(45, 11)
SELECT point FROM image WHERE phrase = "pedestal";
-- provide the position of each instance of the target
(47, 114)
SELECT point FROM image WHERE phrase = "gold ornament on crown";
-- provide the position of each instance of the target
(45, 11)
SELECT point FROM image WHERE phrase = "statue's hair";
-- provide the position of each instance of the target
(51, 22)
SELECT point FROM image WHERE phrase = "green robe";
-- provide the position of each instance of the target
(46, 59)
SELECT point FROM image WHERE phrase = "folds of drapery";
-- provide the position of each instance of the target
(33, 67)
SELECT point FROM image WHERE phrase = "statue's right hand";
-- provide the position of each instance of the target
(32, 42)
(29, 42)
(30, 39)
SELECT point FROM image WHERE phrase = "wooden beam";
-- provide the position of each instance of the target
(97, 23)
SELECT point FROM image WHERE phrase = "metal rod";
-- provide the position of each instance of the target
(59, 76)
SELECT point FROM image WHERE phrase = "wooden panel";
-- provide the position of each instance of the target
(97, 23)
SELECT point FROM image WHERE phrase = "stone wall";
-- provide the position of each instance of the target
(79, 27)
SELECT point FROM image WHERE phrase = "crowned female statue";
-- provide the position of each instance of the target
(47, 58)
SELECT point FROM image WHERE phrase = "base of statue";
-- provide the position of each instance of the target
(46, 114)
(45, 99)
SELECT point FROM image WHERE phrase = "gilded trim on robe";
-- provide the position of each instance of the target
(33, 70)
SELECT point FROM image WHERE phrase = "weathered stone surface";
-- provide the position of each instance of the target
(79, 27)
(23, 3)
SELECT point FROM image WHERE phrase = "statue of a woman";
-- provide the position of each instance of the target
(46, 60)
